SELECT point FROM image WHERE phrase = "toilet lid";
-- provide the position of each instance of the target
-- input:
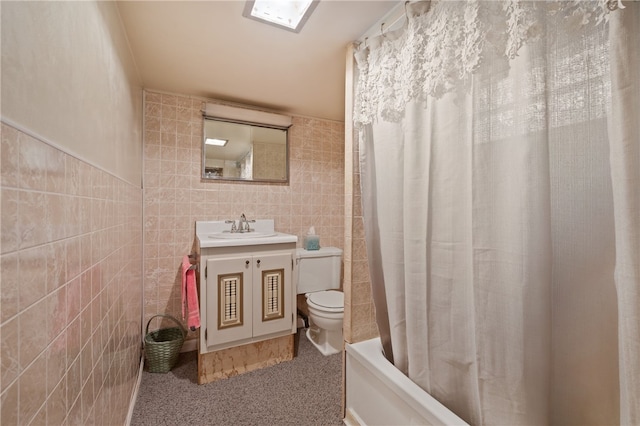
(329, 299)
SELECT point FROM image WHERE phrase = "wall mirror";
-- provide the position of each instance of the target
(243, 150)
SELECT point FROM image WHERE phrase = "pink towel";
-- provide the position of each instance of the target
(190, 295)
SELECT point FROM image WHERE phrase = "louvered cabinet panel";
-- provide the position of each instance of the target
(272, 293)
(229, 300)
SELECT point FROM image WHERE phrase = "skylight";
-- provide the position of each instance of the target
(290, 15)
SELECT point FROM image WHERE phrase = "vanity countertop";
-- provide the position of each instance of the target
(215, 234)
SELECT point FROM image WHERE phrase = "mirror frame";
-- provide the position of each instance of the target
(239, 179)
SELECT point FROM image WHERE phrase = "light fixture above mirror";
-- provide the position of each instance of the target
(290, 15)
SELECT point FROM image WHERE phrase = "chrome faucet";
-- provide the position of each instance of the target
(243, 224)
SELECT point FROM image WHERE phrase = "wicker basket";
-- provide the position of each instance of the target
(162, 347)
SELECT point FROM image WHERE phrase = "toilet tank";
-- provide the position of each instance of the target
(318, 269)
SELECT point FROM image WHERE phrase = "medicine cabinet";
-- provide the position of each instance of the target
(245, 145)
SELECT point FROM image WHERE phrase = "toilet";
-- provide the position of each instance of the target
(319, 281)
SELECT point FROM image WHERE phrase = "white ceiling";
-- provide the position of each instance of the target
(208, 49)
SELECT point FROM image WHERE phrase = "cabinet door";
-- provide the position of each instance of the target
(229, 299)
(272, 297)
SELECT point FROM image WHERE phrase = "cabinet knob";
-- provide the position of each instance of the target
(246, 263)
(258, 261)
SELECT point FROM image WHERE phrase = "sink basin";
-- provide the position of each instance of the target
(217, 234)
(227, 235)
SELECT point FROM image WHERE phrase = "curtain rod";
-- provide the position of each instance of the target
(389, 22)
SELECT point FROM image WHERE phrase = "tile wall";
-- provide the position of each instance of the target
(175, 196)
(359, 311)
(70, 306)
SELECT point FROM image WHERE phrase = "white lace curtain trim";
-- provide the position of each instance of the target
(444, 42)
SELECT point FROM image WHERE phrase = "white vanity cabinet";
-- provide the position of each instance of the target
(247, 295)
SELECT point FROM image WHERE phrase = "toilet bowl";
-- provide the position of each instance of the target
(319, 280)
(326, 312)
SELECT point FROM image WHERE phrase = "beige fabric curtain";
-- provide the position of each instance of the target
(502, 217)
(624, 133)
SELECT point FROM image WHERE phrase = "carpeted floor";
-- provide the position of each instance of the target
(304, 391)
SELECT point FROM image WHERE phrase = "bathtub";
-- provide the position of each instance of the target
(379, 394)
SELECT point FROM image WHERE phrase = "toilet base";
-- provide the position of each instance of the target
(327, 342)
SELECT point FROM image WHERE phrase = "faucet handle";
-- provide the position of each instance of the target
(233, 225)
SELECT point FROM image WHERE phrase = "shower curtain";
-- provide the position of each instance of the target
(500, 160)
